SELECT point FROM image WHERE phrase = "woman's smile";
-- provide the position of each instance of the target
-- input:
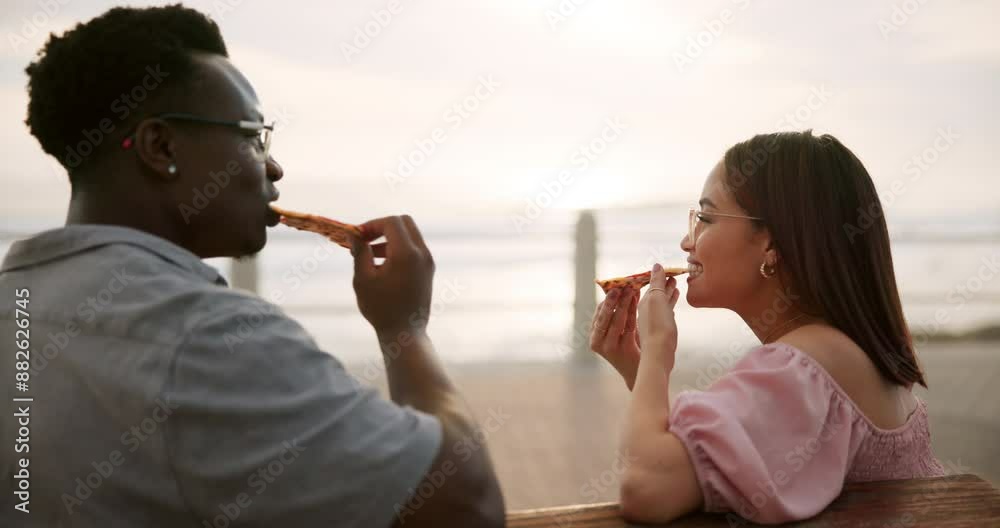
(695, 269)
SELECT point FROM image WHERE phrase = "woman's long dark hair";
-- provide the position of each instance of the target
(827, 223)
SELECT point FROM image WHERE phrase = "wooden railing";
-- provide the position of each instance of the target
(956, 501)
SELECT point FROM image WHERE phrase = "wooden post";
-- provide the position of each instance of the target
(243, 273)
(585, 303)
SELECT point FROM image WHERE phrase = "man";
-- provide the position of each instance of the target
(155, 396)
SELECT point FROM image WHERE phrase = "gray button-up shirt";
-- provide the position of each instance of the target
(160, 397)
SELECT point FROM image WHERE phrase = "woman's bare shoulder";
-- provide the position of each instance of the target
(832, 349)
(854, 371)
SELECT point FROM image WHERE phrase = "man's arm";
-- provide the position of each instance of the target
(395, 298)
(466, 491)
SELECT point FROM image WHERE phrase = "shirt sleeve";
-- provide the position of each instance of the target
(267, 429)
(771, 440)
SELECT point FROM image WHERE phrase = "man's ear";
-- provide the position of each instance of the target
(155, 144)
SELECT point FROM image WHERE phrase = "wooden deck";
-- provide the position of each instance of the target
(947, 502)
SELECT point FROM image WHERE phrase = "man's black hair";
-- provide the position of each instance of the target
(88, 80)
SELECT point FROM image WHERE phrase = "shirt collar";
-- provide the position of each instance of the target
(77, 238)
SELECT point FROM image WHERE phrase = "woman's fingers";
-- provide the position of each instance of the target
(632, 307)
(602, 319)
(657, 279)
(620, 320)
(614, 317)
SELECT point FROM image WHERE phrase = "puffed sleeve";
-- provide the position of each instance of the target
(772, 440)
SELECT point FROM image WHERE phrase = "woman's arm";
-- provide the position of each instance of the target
(659, 484)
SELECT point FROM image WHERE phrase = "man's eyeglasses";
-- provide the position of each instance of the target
(695, 217)
(263, 132)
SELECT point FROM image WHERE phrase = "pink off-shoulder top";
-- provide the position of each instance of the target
(776, 438)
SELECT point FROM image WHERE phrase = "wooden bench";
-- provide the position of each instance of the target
(953, 501)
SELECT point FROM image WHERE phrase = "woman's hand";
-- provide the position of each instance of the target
(657, 327)
(613, 333)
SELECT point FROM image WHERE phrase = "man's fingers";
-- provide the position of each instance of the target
(415, 235)
(378, 250)
(364, 260)
(373, 229)
(386, 226)
(393, 229)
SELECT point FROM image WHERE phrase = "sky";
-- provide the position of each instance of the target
(566, 104)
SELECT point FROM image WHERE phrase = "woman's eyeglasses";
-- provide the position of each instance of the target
(695, 217)
(263, 132)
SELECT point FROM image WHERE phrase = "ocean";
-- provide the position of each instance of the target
(504, 289)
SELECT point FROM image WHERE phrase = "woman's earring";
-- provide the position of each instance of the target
(765, 272)
(172, 168)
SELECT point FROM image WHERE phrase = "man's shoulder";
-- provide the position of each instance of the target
(237, 317)
(126, 291)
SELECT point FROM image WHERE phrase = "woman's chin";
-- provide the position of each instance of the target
(696, 298)
(692, 299)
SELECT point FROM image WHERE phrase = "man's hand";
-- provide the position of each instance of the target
(396, 295)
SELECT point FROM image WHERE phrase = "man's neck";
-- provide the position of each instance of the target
(109, 208)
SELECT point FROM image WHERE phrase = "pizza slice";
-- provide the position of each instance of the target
(636, 281)
(337, 232)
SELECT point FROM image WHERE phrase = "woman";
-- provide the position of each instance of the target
(826, 399)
